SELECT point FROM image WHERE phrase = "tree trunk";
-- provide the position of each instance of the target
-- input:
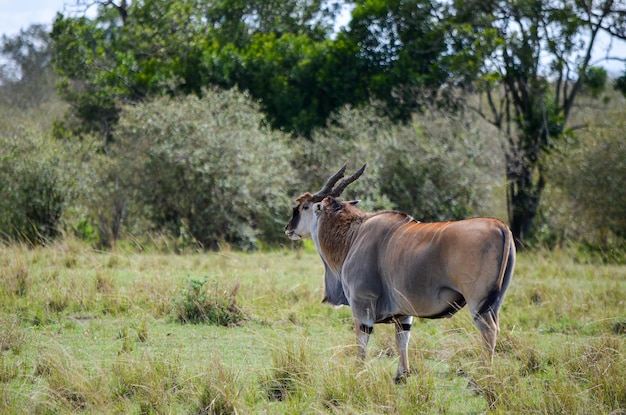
(523, 197)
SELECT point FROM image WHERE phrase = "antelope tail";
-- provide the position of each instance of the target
(495, 297)
(508, 261)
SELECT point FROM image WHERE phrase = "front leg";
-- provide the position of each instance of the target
(363, 331)
(403, 334)
(363, 315)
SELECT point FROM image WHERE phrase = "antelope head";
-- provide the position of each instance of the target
(303, 218)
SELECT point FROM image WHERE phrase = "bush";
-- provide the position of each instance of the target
(437, 170)
(35, 186)
(594, 179)
(350, 137)
(585, 203)
(433, 168)
(201, 302)
(205, 170)
(103, 213)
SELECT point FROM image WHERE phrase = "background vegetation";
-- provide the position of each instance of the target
(202, 173)
(196, 123)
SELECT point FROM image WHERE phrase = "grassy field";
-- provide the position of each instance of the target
(112, 332)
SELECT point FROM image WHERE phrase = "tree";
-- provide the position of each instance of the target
(282, 53)
(299, 82)
(155, 47)
(528, 59)
(400, 48)
(26, 79)
(148, 49)
(529, 80)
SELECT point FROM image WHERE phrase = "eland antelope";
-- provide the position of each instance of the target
(389, 267)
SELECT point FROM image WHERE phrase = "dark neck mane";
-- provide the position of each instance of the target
(336, 232)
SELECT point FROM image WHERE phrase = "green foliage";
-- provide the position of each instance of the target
(204, 302)
(595, 80)
(585, 203)
(442, 176)
(351, 136)
(401, 45)
(26, 77)
(104, 204)
(182, 47)
(283, 54)
(432, 168)
(93, 102)
(35, 186)
(204, 169)
(299, 81)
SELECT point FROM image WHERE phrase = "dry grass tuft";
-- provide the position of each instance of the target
(291, 368)
(69, 385)
(14, 275)
(201, 301)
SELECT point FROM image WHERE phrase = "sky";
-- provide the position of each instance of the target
(20, 14)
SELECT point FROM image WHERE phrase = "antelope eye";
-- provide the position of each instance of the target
(305, 207)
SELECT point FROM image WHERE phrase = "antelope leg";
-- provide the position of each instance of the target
(363, 332)
(403, 334)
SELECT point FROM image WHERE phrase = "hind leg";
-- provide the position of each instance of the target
(403, 334)
(487, 324)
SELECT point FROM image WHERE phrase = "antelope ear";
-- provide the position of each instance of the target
(353, 202)
(317, 207)
(332, 204)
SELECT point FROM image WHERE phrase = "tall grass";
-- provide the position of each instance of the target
(93, 332)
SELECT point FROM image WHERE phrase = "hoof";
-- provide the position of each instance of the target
(401, 378)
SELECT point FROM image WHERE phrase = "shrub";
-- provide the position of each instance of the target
(350, 137)
(205, 169)
(36, 181)
(585, 203)
(105, 201)
(434, 168)
(202, 302)
(438, 169)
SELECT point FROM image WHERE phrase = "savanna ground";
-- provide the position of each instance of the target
(112, 332)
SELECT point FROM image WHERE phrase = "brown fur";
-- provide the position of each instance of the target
(337, 227)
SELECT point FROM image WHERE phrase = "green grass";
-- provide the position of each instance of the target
(94, 332)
